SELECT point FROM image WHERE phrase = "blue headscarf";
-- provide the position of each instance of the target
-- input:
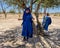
(25, 14)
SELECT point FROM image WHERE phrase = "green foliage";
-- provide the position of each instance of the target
(37, 0)
(23, 3)
(14, 2)
(11, 11)
(50, 3)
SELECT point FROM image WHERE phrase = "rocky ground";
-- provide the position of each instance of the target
(10, 35)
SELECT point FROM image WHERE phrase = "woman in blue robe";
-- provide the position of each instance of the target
(46, 22)
(27, 29)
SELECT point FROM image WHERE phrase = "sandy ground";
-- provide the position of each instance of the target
(10, 35)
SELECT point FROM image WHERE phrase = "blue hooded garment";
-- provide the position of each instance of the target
(27, 29)
(46, 22)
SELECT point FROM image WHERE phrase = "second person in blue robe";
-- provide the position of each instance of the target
(46, 22)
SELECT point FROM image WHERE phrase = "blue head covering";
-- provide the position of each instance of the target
(26, 10)
(26, 14)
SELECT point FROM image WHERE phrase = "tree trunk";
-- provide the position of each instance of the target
(40, 29)
(19, 13)
(45, 11)
(5, 15)
(31, 5)
(3, 11)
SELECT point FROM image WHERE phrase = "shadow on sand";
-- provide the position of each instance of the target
(14, 34)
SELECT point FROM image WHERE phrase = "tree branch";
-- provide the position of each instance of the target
(34, 2)
(38, 6)
(31, 5)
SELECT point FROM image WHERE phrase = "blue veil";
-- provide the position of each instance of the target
(25, 14)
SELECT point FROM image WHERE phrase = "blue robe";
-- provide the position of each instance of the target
(27, 29)
(46, 22)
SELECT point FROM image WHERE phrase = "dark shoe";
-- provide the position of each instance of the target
(27, 38)
(24, 39)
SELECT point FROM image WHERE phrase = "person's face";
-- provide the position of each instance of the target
(27, 11)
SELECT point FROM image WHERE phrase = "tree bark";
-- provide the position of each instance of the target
(40, 29)
(3, 10)
(45, 11)
(31, 5)
(5, 14)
